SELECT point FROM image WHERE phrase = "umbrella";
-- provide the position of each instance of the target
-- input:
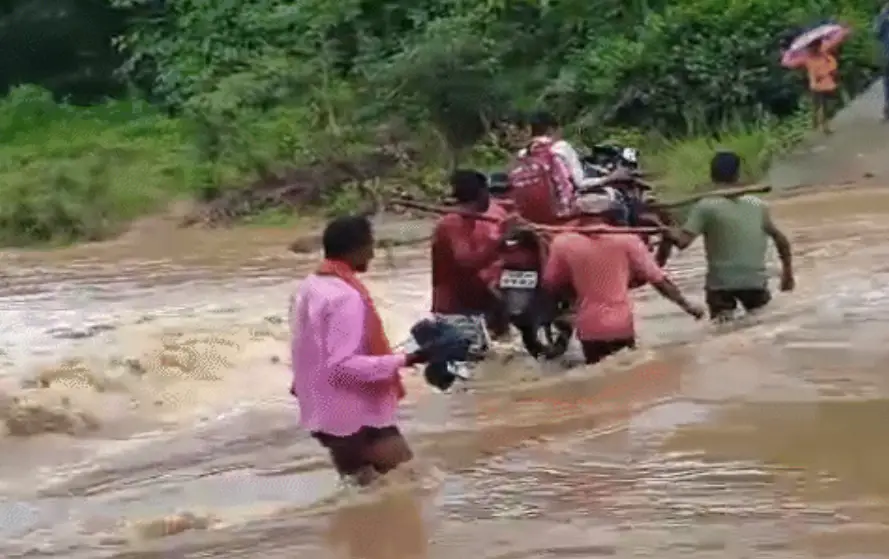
(831, 35)
(830, 32)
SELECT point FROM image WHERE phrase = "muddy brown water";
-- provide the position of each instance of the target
(143, 391)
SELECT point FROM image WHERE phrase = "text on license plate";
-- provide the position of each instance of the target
(511, 279)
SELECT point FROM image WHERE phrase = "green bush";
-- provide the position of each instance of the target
(261, 86)
(683, 165)
(69, 173)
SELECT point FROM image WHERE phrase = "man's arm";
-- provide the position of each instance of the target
(569, 156)
(644, 266)
(556, 273)
(344, 337)
(782, 244)
(794, 60)
(450, 232)
(566, 152)
(669, 291)
(695, 226)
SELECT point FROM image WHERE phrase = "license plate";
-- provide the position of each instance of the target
(511, 279)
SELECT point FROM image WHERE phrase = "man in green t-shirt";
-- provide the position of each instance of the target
(736, 231)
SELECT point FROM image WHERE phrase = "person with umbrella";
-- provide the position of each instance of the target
(881, 28)
(815, 50)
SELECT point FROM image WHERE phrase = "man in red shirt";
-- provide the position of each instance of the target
(598, 269)
(465, 254)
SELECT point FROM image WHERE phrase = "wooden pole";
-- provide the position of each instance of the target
(549, 229)
(736, 191)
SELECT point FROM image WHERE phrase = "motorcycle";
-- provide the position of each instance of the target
(498, 184)
(640, 208)
(542, 320)
(607, 158)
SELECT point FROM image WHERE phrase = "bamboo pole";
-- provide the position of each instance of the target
(548, 229)
(736, 191)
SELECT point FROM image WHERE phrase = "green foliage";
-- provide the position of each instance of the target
(62, 45)
(448, 77)
(69, 173)
(260, 87)
(460, 66)
(683, 165)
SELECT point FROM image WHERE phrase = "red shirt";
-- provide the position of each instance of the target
(465, 262)
(599, 268)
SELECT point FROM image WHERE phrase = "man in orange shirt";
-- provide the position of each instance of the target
(820, 63)
(598, 269)
(465, 254)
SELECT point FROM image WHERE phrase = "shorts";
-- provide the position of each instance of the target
(721, 302)
(350, 453)
(596, 350)
(823, 99)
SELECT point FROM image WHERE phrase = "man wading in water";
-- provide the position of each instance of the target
(736, 231)
(598, 269)
(345, 374)
(465, 267)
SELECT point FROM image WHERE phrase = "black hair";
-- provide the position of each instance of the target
(344, 235)
(468, 185)
(725, 167)
(542, 122)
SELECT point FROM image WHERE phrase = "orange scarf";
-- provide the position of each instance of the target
(375, 336)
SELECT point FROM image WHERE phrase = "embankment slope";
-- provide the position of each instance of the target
(857, 151)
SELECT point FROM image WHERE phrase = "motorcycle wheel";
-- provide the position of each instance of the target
(549, 341)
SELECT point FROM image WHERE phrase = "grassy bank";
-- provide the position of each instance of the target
(71, 174)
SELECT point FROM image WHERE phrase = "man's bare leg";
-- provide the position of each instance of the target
(363, 477)
(388, 453)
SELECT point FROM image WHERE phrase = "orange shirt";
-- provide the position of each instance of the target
(599, 269)
(822, 69)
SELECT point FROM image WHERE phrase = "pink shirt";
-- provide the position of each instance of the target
(338, 386)
(599, 269)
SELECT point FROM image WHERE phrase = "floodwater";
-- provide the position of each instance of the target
(143, 390)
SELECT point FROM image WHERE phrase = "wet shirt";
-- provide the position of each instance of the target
(735, 240)
(822, 70)
(599, 269)
(339, 387)
(465, 262)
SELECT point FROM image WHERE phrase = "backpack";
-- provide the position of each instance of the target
(540, 184)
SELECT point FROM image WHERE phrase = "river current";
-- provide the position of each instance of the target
(144, 413)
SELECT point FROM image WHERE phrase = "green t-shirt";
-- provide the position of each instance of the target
(735, 240)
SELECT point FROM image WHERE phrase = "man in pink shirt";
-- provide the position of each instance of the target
(598, 269)
(345, 374)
